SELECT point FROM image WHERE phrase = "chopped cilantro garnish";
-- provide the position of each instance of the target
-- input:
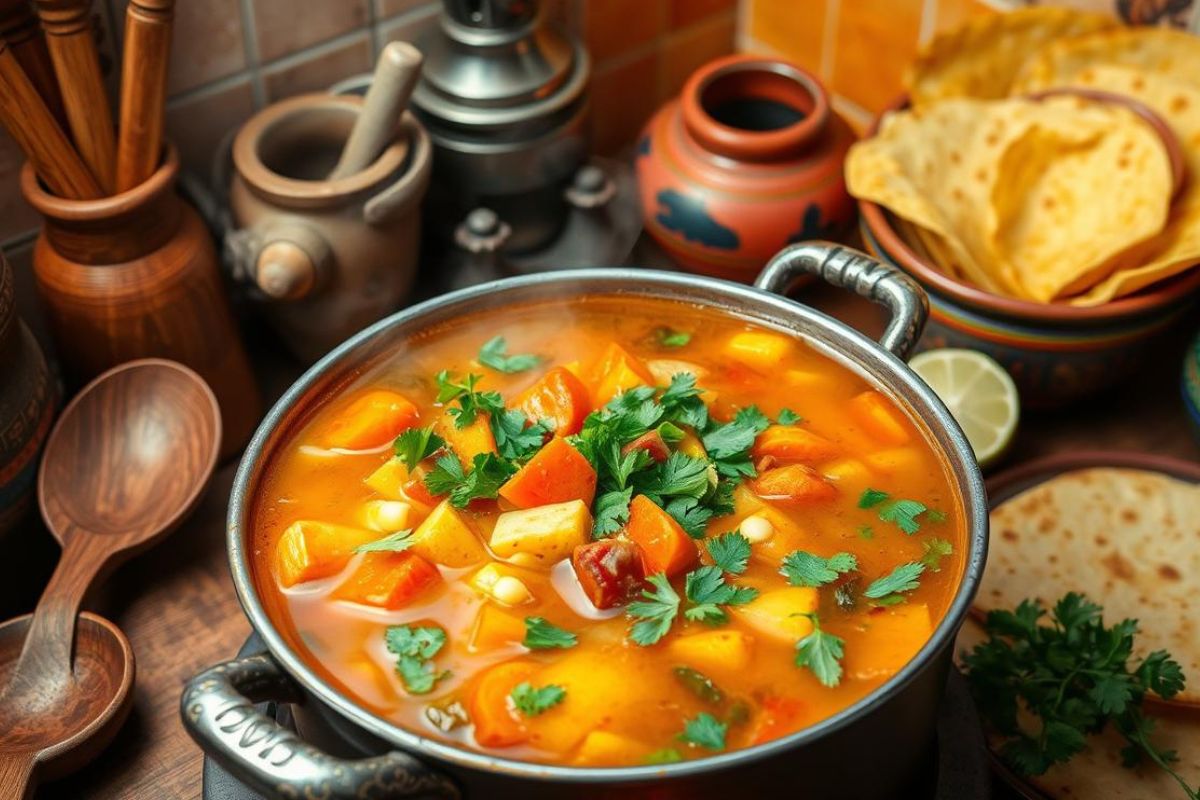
(866, 532)
(415, 445)
(902, 513)
(470, 402)
(654, 613)
(788, 417)
(730, 551)
(729, 445)
(611, 512)
(516, 438)
(699, 684)
(488, 473)
(935, 551)
(541, 635)
(415, 649)
(802, 568)
(707, 591)
(394, 543)
(902, 579)
(668, 337)
(935, 515)
(821, 653)
(531, 702)
(690, 515)
(492, 355)
(679, 476)
(871, 498)
(668, 755)
(705, 731)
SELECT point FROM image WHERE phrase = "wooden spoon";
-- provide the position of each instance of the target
(128, 459)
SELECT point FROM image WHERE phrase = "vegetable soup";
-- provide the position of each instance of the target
(608, 531)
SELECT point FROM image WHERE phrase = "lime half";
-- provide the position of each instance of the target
(978, 392)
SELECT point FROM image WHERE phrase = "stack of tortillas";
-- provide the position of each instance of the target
(1129, 540)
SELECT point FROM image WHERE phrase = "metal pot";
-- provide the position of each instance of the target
(892, 727)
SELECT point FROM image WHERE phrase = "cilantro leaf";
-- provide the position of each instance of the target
(541, 635)
(447, 473)
(707, 591)
(730, 551)
(419, 677)
(802, 568)
(729, 445)
(679, 476)
(903, 513)
(394, 543)
(668, 337)
(866, 532)
(415, 445)
(821, 653)
(492, 355)
(611, 512)
(935, 515)
(902, 579)
(935, 551)
(471, 403)
(531, 702)
(705, 731)
(668, 755)
(415, 648)
(488, 473)
(871, 498)
(788, 417)
(654, 613)
(690, 515)
(516, 438)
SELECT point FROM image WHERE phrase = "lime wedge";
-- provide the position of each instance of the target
(978, 392)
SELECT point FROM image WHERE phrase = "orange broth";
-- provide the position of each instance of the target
(624, 703)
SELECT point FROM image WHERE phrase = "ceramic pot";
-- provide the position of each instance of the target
(328, 257)
(135, 275)
(376, 758)
(28, 397)
(745, 161)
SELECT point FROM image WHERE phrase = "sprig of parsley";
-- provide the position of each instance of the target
(541, 635)
(1074, 676)
(655, 612)
(707, 591)
(415, 649)
(470, 402)
(729, 445)
(393, 543)
(730, 551)
(488, 473)
(890, 589)
(935, 550)
(802, 568)
(900, 512)
(532, 702)
(706, 731)
(821, 653)
(415, 445)
(788, 417)
(493, 355)
(516, 437)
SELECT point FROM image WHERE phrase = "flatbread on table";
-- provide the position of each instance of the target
(1128, 539)
(1162, 52)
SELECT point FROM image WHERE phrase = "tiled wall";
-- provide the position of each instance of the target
(230, 57)
(859, 48)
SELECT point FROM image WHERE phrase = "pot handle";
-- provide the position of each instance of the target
(218, 711)
(847, 268)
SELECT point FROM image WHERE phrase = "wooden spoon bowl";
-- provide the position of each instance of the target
(67, 729)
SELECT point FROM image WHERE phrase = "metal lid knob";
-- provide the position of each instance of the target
(482, 232)
(590, 188)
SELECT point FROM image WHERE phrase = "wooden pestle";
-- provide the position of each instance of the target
(37, 133)
(395, 77)
(19, 27)
(143, 89)
(76, 63)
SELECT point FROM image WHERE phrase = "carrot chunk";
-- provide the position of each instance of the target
(619, 371)
(790, 443)
(796, 484)
(467, 442)
(879, 417)
(388, 580)
(560, 397)
(665, 546)
(609, 571)
(495, 723)
(309, 550)
(652, 442)
(371, 420)
(557, 473)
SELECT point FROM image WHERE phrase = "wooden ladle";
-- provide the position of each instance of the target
(128, 459)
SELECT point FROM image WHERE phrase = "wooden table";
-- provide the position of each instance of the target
(177, 604)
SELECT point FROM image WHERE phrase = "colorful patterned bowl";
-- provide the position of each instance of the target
(1191, 383)
(1056, 353)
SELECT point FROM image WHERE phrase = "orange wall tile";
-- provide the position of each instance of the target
(875, 40)
(952, 13)
(792, 28)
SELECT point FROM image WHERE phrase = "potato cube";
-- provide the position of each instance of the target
(549, 533)
(445, 538)
(389, 479)
(778, 614)
(310, 550)
(759, 349)
(896, 635)
(721, 651)
(608, 749)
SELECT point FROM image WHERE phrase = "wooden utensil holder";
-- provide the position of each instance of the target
(136, 275)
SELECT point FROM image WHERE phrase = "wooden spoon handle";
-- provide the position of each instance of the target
(19, 27)
(77, 65)
(16, 774)
(143, 89)
(392, 84)
(39, 136)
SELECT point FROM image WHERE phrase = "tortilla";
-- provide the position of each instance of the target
(1164, 52)
(981, 58)
(1097, 772)
(1028, 197)
(1128, 539)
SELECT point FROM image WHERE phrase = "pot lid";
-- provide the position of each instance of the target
(494, 62)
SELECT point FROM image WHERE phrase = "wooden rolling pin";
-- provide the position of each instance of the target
(77, 65)
(395, 76)
(19, 27)
(37, 133)
(143, 89)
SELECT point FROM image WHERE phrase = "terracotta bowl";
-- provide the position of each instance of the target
(1056, 353)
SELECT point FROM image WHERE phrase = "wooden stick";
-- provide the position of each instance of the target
(77, 65)
(33, 127)
(19, 27)
(148, 26)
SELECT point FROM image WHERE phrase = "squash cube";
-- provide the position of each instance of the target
(897, 461)
(371, 420)
(778, 614)
(721, 651)
(608, 749)
(619, 371)
(388, 580)
(310, 550)
(495, 628)
(445, 538)
(549, 533)
(467, 442)
(388, 481)
(880, 418)
(759, 349)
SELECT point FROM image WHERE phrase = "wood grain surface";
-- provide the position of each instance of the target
(148, 26)
(19, 27)
(176, 603)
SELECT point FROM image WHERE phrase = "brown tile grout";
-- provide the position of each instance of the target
(250, 44)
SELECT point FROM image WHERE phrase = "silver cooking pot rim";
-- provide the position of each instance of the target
(764, 303)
